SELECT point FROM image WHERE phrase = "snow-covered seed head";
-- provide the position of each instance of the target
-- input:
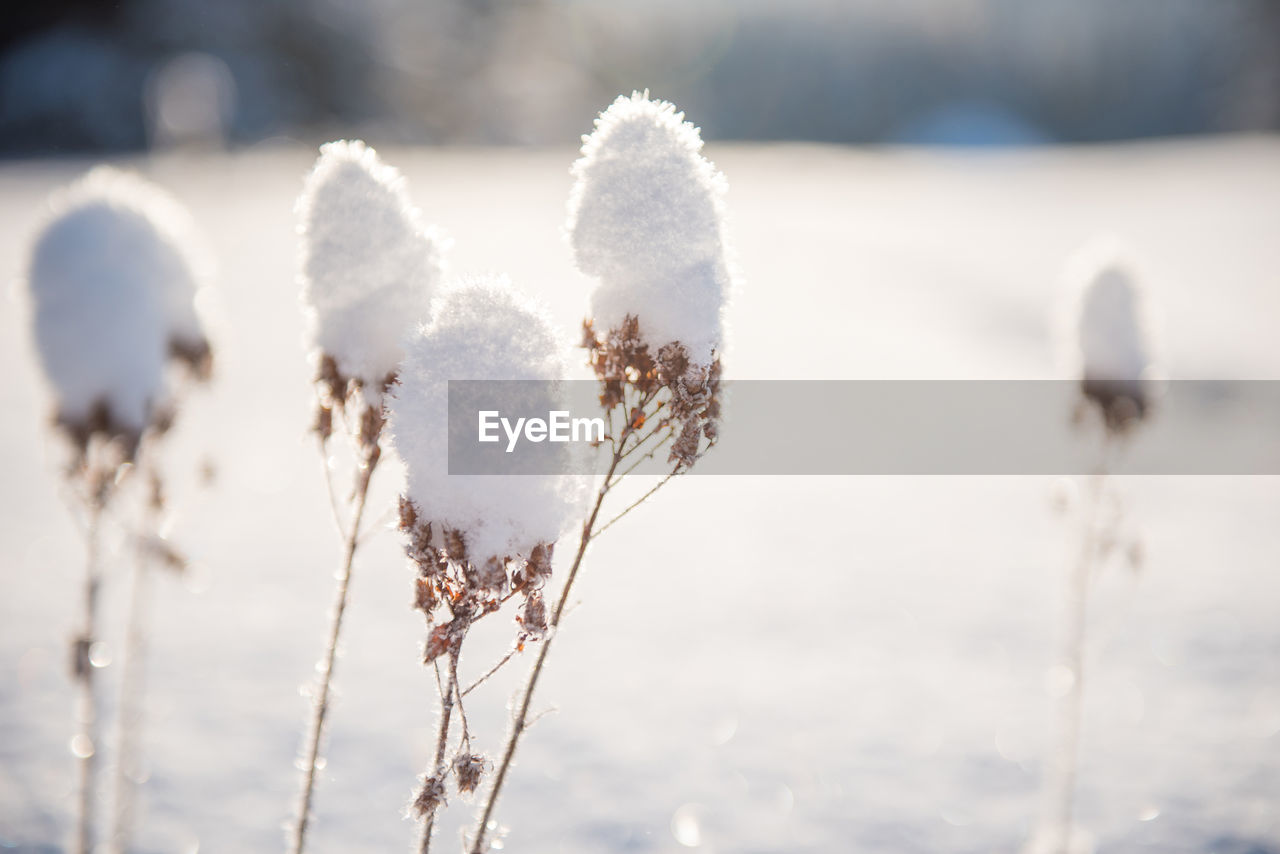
(481, 330)
(1108, 337)
(645, 221)
(113, 279)
(369, 265)
(468, 768)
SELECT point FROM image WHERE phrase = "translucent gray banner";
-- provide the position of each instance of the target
(878, 427)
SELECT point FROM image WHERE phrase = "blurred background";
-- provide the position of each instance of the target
(116, 75)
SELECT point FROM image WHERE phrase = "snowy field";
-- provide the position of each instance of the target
(757, 664)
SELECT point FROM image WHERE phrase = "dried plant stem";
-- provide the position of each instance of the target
(129, 708)
(86, 741)
(447, 696)
(1061, 793)
(520, 722)
(634, 504)
(321, 707)
(492, 670)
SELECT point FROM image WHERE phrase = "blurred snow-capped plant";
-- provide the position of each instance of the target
(476, 542)
(1108, 337)
(645, 220)
(1108, 346)
(369, 267)
(113, 280)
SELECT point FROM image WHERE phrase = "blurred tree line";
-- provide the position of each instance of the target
(80, 75)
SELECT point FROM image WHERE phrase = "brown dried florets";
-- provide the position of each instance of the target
(196, 356)
(468, 768)
(532, 617)
(452, 592)
(442, 639)
(430, 796)
(1123, 404)
(101, 423)
(337, 391)
(622, 361)
(535, 571)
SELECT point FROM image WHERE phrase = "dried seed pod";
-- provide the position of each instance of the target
(468, 768)
(439, 641)
(492, 575)
(430, 796)
(532, 617)
(424, 598)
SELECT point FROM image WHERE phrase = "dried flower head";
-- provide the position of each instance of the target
(468, 768)
(674, 391)
(1108, 339)
(429, 797)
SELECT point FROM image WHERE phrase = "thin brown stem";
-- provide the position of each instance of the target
(492, 670)
(649, 454)
(520, 722)
(321, 707)
(86, 745)
(633, 505)
(447, 695)
(328, 485)
(130, 706)
(1062, 788)
(457, 693)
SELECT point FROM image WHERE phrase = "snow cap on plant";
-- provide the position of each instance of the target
(1108, 340)
(480, 330)
(645, 220)
(113, 278)
(369, 265)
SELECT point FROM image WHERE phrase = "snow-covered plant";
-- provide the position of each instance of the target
(476, 542)
(1108, 336)
(1109, 349)
(113, 280)
(369, 267)
(645, 220)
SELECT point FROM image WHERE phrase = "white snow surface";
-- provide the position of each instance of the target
(645, 219)
(113, 279)
(369, 264)
(480, 330)
(765, 664)
(1110, 332)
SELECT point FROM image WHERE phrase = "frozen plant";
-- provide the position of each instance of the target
(476, 542)
(1109, 348)
(368, 269)
(645, 220)
(113, 278)
(1108, 336)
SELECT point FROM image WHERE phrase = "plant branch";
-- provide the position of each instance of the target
(633, 505)
(520, 722)
(321, 707)
(86, 742)
(130, 705)
(492, 670)
(1063, 782)
(442, 742)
